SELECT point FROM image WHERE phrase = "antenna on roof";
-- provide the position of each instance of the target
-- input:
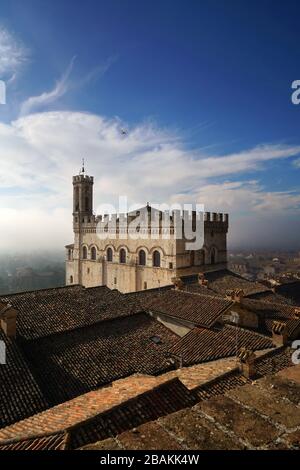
(82, 171)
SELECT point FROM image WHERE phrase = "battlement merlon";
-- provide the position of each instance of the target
(83, 179)
(212, 220)
(216, 217)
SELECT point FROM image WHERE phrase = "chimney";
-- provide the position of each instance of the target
(178, 283)
(8, 320)
(279, 333)
(202, 281)
(235, 295)
(297, 312)
(247, 363)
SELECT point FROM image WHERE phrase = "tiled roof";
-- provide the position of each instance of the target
(197, 374)
(200, 345)
(223, 280)
(197, 288)
(80, 409)
(52, 442)
(292, 326)
(50, 311)
(269, 362)
(160, 401)
(260, 415)
(202, 310)
(75, 362)
(221, 384)
(273, 361)
(130, 403)
(105, 412)
(270, 311)
(269, 296)
(290, 290)
(20, 395)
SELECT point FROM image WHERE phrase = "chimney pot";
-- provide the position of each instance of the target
(202, 281)
(236, 295)
(247, 363)
(297, 312)
(279, 333)
(178, 283)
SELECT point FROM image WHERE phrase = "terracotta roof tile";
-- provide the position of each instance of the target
(45, 312)
(290, 290)
(202, 310)
(107, 411)
(256, 415)
(52, 442)
(160, 401)
(200, 345)
(20, 394)
(74, 362)
(222, 280)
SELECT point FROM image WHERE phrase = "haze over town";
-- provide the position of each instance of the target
(198, 129)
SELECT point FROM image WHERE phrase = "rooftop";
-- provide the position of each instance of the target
(202, 310)
(222, 280)
(260, 415)
(48, 311)
(201, 345)
(122, 405)
(74, 362)
(20, 394)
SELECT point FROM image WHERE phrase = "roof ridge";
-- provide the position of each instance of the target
(156, 387)
(201, 294)
(90, 325)
(13, 294)
(219, 377)
(148, 383)
(227, 325)
(272, 352)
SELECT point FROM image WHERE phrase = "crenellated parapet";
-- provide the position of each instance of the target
(216, 221)
(83, 179)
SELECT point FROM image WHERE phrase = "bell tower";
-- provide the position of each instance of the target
(82, 197)
(83, 218)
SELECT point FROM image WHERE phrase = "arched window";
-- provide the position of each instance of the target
(84, 252)
(156, 259)
(86, 201)
(76, 199)
(71, 279)
(213, 256)
(109, 254)
(93, 253)
(142, 258)
(69, 255)
(122, 256)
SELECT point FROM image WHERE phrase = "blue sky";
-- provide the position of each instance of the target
(203, 87)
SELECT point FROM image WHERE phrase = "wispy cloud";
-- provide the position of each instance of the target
(13, 55)
(297, 163)
(97, 72)
(40, 152)
(35, 103)
(62, 86)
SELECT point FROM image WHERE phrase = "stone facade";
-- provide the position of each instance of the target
(128, 264)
